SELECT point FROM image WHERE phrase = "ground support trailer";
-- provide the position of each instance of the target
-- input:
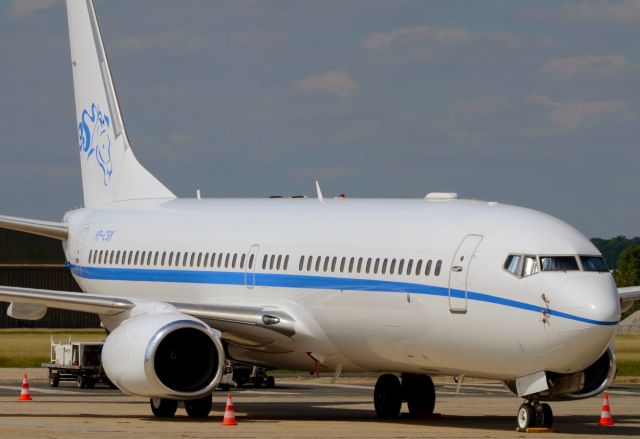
(77, 361)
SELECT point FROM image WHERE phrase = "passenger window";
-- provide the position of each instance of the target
(309, 263)
(318, 261)
(359, 265)
(325, 267)
(184, 259)
(192, 260)
(384, 266)
(279, 262)
(149, 258)
(199, 259)
(226, 260)
(135, 261)
(409, 266)
(118, 257)
(242, 260)
(438, 266)
(220, 258)
(143, 257)
(342, 262)
(334, 261)
(124, 257)
(530, 266)
(368, 266)
(351, 261)
(265, 258)
(271, 262)
(427, 268)
(155, 258)
(90, 255)
(301, 264)
(111, 257)
(130, 257)
(376, 266)
(212, 263)
(512, 264)
(100, 257)
(419, 267)
(170, 261)
(233, 261)
(205, 263)
(400, 266)
(286, 262)
(251, 262)
(392, 268)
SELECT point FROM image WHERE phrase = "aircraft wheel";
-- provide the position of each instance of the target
(198, 408)
(526, 417)
(82, 382)
(420, 394)
(163, 408)
(387, 396)
(544, 416)
(54, 379)
(270, 382)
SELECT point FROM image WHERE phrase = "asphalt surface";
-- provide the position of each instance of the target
(299, 407)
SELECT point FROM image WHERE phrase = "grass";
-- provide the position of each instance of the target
(30, 347)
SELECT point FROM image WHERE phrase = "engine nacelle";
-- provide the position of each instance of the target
(164, 355)
(580, 385)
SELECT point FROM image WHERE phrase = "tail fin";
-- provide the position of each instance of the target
(110, 171)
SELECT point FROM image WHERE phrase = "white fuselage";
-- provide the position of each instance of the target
(467, 315)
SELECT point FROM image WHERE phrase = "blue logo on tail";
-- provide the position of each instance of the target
(94, 139)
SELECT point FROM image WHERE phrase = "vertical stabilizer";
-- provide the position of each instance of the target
(110, 171)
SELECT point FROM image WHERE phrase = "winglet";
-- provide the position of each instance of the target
(319, 191)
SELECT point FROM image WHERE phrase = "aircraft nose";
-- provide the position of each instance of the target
(584, 313)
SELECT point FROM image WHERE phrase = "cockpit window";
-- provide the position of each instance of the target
(559, 263)
(512, 264)
(593, 263)
(530, 266)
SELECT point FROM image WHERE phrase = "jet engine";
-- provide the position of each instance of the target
(164, 355)
(579, 385)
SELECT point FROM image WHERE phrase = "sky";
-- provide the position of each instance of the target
(533, 104)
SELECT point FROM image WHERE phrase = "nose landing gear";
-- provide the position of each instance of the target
(532, 414)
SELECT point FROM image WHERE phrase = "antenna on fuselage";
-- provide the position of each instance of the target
(319, 191)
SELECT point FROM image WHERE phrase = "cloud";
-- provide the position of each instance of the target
(337, 82)
(573, 114)
(24, 8)
(385, 41)
(482, 106)
(177, 40)
(588, 65)
(622, 12)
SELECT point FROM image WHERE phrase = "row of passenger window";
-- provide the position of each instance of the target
(170, 259)
(369, 265)
(270, 262)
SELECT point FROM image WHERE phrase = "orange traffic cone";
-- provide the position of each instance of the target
(24, 393)
(605, 417)
(229, 415)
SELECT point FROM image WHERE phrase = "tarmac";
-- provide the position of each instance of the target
(299, 407)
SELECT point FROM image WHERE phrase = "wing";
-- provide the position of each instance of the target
(36, 227)
(627, 296)
(241, 325)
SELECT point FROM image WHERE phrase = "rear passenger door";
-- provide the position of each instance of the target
(250, 266)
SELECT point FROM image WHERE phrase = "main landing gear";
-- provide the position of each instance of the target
(533, 414)
(196, 408)
(417, 390)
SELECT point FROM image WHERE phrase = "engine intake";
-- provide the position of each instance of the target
(164, 355)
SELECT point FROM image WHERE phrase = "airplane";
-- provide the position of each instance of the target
(438, 286)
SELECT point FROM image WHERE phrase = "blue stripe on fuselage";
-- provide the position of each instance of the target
(308, 282)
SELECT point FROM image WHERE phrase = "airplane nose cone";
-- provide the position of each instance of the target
(584, 313)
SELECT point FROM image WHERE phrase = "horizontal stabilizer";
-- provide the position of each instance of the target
(49, 229)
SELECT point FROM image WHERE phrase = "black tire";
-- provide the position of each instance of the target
(387, 396)
(198, 408)
(163, 408)
(270, 382)
(54, 379)
(257, 383)
(420, 394)
(82, 382)
(547, 416)
(526, 417)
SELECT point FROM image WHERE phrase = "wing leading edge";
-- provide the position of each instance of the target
(265, 318)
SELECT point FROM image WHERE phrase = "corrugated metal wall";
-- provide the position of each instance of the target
(35, 262)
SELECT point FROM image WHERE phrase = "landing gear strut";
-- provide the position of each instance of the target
(533, 414)
(417, 390)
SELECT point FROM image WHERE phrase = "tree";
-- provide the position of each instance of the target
(627, 273)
